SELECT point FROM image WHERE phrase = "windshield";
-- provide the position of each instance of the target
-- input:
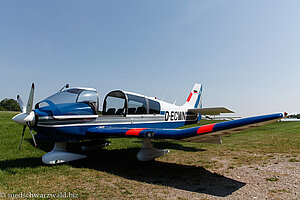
(68, 96)
(74, 96)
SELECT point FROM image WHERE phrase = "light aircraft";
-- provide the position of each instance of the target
(72, 115)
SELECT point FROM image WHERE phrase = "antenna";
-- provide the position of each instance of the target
(66, 86)
(164, 95)
(175, 100)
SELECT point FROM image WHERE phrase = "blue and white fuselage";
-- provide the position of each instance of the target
(72, 115)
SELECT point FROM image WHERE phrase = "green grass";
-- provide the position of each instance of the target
(114, 172)
(272, 179)
(294, 160)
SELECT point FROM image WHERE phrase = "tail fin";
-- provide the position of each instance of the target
(194, 99)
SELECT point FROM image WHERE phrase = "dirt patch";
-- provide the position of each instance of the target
(276, 178)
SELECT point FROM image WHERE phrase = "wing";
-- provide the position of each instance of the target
(214, 137)
(206, 133)
(210, 111)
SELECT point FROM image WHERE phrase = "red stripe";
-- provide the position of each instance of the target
(135, 131)
(189, 98)
(205, 128)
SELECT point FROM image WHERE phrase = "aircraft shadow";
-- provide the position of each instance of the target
(8, 165)
(123, 163)
(75, 147)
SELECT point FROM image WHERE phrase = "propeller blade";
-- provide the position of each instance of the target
(32, 134)
(24, 127)
(21, 104)
(27, 117)
(30, 100)
(35, 144)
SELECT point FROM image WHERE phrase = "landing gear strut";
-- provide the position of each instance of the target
(148, 153)
(59, 154)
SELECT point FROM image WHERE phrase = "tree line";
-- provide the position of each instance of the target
(9, 105)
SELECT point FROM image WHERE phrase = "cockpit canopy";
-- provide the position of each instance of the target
(122, 103)
(85, 101)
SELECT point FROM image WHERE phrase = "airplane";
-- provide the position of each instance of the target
(72, 114)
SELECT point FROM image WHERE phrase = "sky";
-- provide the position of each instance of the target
(245, 53)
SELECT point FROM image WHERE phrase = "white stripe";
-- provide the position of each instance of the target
(60, 117)
(103, 124)
(74, 116)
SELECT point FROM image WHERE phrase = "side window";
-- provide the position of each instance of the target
(43, 104)
(89, 97)
(154, 107)
(114, 105)
(136, 105)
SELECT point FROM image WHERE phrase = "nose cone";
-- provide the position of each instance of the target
(23, 118)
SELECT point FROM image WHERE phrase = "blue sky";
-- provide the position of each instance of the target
(245, 53)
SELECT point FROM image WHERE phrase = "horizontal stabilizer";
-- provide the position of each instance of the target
(210, 111)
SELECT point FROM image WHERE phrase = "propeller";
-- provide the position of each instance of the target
(27, 117)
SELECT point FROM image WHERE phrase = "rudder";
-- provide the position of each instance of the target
(194, 99)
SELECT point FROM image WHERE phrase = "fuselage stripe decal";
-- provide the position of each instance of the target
(205, 128)
(189, 98)
(135, 131)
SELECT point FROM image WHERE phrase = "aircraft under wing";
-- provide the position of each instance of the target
(210, 111)
(204, 133)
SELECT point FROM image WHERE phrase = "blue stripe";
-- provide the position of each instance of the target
(199, 97)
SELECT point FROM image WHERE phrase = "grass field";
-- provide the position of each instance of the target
(114, 172)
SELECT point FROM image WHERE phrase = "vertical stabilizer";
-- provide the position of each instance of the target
(194, 99)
